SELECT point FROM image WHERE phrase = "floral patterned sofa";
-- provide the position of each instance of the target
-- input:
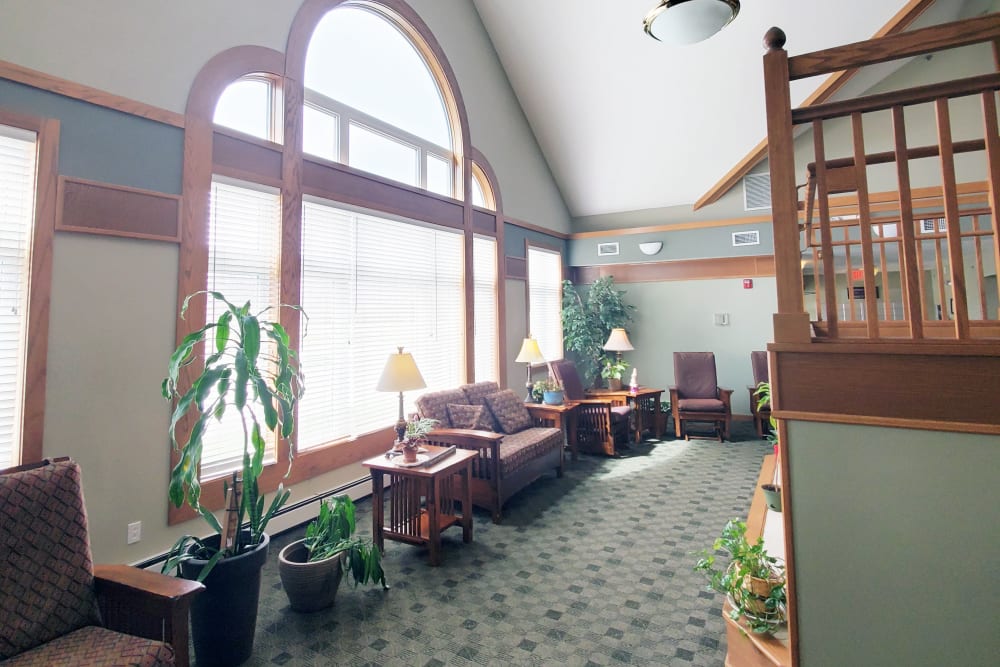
(514, 450)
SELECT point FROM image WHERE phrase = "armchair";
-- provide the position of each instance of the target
(599, 424)
(761, 415)
(697, 397)
(55, 596)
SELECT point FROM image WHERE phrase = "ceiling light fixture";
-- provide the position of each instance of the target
(689, 21)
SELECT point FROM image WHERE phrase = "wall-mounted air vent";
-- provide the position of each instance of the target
(756, 191)
(746, 238)
(927, 226)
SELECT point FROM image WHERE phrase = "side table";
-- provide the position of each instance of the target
(557, 416)
(645, 403)
(422, 500)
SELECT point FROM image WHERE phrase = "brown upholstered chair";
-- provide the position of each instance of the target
(600, 424)
(697, 396)
(54, 599)
(761, 415)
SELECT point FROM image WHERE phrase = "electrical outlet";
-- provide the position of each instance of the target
(134, 532)
(721, 319)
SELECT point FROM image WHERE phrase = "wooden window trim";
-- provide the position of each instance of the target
(40, 279)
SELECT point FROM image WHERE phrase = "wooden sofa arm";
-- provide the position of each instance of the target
(487, 464)
(147, 604)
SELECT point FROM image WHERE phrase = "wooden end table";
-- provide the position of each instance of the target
(422, 500)
(645, 403)
(562, 417)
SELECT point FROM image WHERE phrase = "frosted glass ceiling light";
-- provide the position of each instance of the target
(679, 22)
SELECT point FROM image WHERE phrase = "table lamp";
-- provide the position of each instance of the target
(618, 342)
(400, 374)
(529, 354)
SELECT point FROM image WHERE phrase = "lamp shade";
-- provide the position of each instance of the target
(618, 341)
(530, 353)
(400, 373)
(680, 22)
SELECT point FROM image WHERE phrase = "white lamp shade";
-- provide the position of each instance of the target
(618, 341)
(530, 353)
(400, 374)
(680, 22)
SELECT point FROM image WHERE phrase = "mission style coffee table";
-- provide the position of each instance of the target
(423, 500)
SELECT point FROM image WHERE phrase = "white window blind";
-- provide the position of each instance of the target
(243, 252)
(545, 301)
(369, 285)
(484, 268)
(17, 212)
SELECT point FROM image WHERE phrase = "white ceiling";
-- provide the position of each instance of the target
(628, 123)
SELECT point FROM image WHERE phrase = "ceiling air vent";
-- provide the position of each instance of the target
(756, 192)
(746, 238)
(927, 226)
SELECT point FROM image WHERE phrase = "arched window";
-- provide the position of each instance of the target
(252, 105)
(482, 193)
(372, 101)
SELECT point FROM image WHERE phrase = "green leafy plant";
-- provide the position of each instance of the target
(587, 322)
(249, 370)
(549, 383)
(418, 427)
(763, 394)
(613, 368)
(763, 609)
(332, 532)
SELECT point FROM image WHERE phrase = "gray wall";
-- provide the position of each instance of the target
(897, 546)
(114, 300)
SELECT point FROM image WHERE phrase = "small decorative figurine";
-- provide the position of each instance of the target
(633, 384)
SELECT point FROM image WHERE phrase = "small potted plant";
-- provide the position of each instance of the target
(772, 492)
(613, 371)
(753, 580)
(551, 390)
(416, 429)
(311, 568)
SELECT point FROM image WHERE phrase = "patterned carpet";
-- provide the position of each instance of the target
(590, 569)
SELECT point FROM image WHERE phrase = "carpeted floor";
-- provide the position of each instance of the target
(590, 569)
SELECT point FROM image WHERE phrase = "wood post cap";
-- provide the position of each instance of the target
(774, 39)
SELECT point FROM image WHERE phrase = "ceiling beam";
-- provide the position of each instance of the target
(902, 20)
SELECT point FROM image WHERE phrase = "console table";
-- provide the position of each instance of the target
(422, 500)
(645, 403)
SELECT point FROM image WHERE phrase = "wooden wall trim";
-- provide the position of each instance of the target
(674, 227)
(516, 268)
(79, 91)
(754, 266)
(93, 207)
(537, 228)
(903, 18)
(941, 386)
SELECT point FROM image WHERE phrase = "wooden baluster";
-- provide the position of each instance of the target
(849, 269)
(864, 220)
(912, 265)
(939, 264)
(956, 263)
(825, 233)
(993, 167)
(979, 268)
(886, 301)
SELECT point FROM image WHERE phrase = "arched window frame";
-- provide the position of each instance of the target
(275, 110)
(211, 150)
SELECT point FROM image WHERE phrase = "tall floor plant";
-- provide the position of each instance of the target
(587, 321)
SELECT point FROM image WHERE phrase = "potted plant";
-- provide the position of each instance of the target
(551, 389)
(772, 492)
(753, 580)
(311, 568)
(416, 429)
(588, 322)
(613, 371)
(249, 374)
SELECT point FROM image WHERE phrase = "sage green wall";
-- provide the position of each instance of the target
(677, 316)
(113, 302)
(897, 546)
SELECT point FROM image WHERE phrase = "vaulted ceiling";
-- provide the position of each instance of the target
(628, 123)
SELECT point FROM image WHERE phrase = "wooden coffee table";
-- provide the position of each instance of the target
(422, 500)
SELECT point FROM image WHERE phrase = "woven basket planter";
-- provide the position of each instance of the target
(309, 586)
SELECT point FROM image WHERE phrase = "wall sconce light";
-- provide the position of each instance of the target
(650, 247)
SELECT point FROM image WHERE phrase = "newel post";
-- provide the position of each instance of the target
(791, 322)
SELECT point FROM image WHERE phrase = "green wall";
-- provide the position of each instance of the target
(897, 545)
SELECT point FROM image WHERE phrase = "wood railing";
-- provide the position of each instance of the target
(920, 264)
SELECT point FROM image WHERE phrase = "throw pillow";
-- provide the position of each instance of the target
(509, 411)
(470, 416)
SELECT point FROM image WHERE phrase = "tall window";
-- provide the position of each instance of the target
(545, 300)
(372, 102)
(243, 255)
(17, 211)
(484, 269)
(369, 285)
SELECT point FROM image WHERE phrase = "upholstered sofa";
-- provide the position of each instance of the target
(514, 449)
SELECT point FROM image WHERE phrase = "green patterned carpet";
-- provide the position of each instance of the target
(590, 569)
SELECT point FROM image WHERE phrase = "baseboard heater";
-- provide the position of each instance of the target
(343, 488)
